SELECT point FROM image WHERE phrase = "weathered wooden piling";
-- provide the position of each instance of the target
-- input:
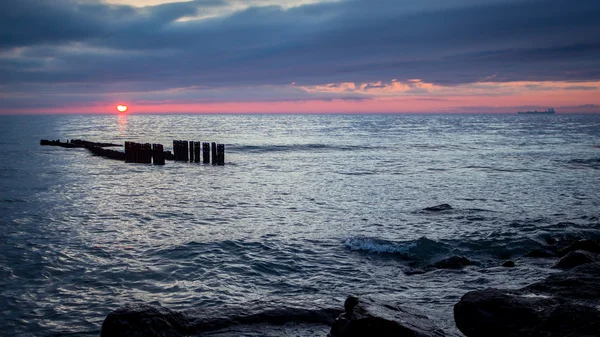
(180, 149)
(186, 156)
(205, 153)
(129, 156)
(220, 154)
(213, 148)
(158, 154)
(191, 151)
(134, 152)
(196, 152)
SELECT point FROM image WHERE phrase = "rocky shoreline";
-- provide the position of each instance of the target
(565, 304)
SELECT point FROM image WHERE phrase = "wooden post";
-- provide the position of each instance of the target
(221, 154)
(191, 151)
(158, 154)
(185, 150)
(179, 156)
(136, 152)
(205, 153)
(127, 152)
(196, 152)
(146, 153)
(214, 153)
(174, 150)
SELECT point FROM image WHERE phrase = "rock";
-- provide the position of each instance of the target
(438, 208)
(580, 283)
(454, 262)
(565, 304)
(541, 252)
(501, 313)
(576, 258)
(587, 245)
(508, 264)
(366, 317)
(140, 320)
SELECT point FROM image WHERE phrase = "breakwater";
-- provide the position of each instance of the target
(146, 153)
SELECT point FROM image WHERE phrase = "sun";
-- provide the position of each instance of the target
(122, 108)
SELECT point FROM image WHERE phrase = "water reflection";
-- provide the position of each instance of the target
(122, 124)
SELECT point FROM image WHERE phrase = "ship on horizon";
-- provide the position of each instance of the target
(535, 112)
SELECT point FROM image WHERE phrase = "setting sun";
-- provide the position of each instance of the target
(122, 108)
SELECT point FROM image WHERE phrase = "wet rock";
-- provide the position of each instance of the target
(438, 208)
(587, 245)
(140, 320)
(576, 258)
(564, 304)
(365, 317)
(454, 262)
(579, 283)
(508, 264)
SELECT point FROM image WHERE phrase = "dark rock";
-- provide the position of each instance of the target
(454, 262)
(508, 264)
(501, 313)
(438, 208)
(368, 318)
(579, 283)
(541, 252)
(587, 245)
(576, 258)
(564, 305)
(141, 320)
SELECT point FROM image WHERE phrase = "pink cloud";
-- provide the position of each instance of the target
(393, 97)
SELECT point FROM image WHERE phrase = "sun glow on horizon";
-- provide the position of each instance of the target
(122, 108)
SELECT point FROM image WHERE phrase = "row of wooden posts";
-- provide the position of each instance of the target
(182, 151)
(190, 151)
(151, 153)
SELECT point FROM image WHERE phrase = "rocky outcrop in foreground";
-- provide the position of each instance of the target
(365, 317)
(140, 320)
(565, 304)
(362, 318)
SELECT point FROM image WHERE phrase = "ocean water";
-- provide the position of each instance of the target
(307, 209)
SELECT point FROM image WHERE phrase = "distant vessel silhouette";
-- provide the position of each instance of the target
(535, 112)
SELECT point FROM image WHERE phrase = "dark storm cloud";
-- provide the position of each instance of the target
(445, 42)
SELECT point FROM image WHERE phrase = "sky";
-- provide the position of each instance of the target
(299, 56)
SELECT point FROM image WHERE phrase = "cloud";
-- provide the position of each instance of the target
(581, 87)
(94, 47)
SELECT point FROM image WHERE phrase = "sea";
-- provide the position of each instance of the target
(306, 210)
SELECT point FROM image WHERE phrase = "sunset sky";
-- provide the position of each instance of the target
(299, 56)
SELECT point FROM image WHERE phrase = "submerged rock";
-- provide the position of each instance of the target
(438, 208)
(140, 320)
(587, 245)
(564, 304)
(365, 317)
(508, 264)
(454, 262)
(576, 258)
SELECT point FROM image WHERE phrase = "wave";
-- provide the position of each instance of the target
(421, 249)
(496, 246)
(502, 169)
(585, 163)
(297, 148)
